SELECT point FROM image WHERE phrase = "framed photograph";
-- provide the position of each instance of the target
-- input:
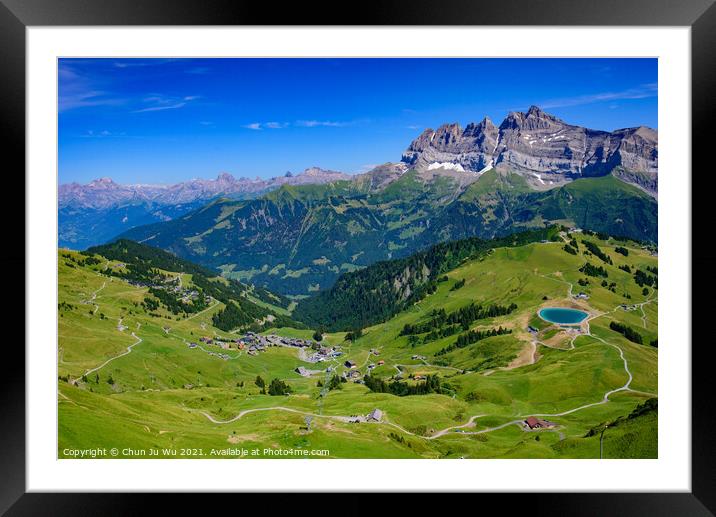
(444, 241)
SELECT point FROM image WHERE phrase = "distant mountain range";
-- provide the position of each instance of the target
(296, 235)
(93, 213)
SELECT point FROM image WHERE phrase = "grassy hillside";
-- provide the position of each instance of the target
(298, 240)
(163, 395)
(373, 294)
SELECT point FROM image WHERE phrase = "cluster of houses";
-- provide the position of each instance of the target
(285, 341)
(252, 347)
(225, 357)
(324, 353)
(253, 343)
(320, 353)
(173, 286)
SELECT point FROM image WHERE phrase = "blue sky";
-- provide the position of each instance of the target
(169, 120)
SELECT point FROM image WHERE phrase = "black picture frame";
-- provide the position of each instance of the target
(700, 15)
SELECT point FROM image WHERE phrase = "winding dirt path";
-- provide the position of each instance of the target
(92, 299)
(202, 312)
(129, 350)
(274, 408)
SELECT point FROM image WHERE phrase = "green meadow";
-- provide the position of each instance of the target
(128, 379)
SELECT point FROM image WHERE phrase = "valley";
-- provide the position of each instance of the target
(455, 359)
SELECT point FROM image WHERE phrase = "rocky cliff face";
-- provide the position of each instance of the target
(471, 148)
(547, 151)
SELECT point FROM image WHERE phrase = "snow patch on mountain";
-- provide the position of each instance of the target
(446, 165)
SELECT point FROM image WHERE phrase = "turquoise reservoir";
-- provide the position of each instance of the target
(562, 316)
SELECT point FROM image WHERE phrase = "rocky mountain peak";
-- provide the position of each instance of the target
(315, 171)
(535, 111)
(225, 177)
(546, 150)
(476, 130)
(102, 182)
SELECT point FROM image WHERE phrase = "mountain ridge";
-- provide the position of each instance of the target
(451, 184)
(547, 150)
(103, 192)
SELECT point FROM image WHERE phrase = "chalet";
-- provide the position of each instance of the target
(582, 296)
(537, 423)
(381, 362)
(350, 364)
(375, 415)
(192, 345)
(532, 329)
(418, 377)
(371, 366)
(302, 371)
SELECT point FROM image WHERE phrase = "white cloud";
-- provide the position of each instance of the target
(321, 123)
(640, 92)
(76, 90)
(164, 102)
(102, 134)
(298, 123)
(137, 62)
(160, 108)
